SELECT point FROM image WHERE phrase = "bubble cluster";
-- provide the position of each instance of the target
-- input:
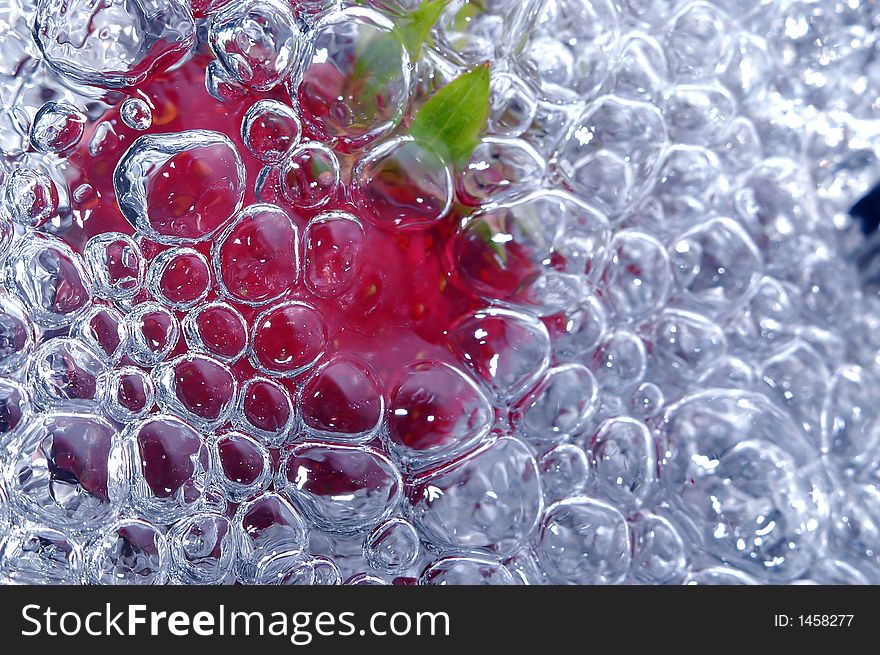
(254, 331)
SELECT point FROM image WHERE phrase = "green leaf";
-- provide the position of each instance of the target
(451, 121)
(415, 27)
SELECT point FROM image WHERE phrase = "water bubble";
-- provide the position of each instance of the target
(50, 280)
(334, 244)
(16, 335)
(270, 130)
(130, 552)
(490, 500)
(30, 197)
(57, 128)
(559, 406)
(179, 277)
(197, 388)
(565, 471)
(218, 329)
(257, 257)
(221, 84)
(169, 467)
(611, 152)
(136, 113)
(584, 541)
(435, 413)
(153, 332)
(513, 251)
(342, 401)
(266, 526)
(353, 83)
(512, 105)
(401, 184)
(180, 187)
(67, 472)
(256, 41)
(341, 489)
(698, 41)
(15, 413)
(81, 40)
(265, 410)
(288, 339)
(65, 373)
(459, 570)
(203, 548)
(392, 547)
(505, 350)
(498, 167)
(624, 461)
(116, 264)
(36, 555)
(658, 551)
(242, 467)
(128, 394)
(310, 176)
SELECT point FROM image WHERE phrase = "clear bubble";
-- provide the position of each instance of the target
(334, 251)
(392, 547)
(435, 412)
(67, 472)
(270, 130)
(203, 548)
(401, 185)
(80, 40)
(35, 555)
(257, 42)
(169, 467)
(659, 555)
(559, 407)
(242, 466)
(136, 113)
(288, 339)
(197, 388)
(218, 329)
(310, 176)
(128, 393)
(584, 541)
(180, 278)
(57, 128)
(50, 280)
(153, 332)
(16, 335)
(514, 251)
(130, 552)
(353, 83)
(265, 410)
(565, 471)
(257, 258)
(15, 414)
(506, 351)
(103, 330)
(200, 165)
(497, 167)
(30, 197)
(638, 277)
(116, 264)
(266, 526)
(342, 401)
(490, 500)
(65, 373)
(341, 489)
(624, 462)
(611, 153)
(460, 570)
